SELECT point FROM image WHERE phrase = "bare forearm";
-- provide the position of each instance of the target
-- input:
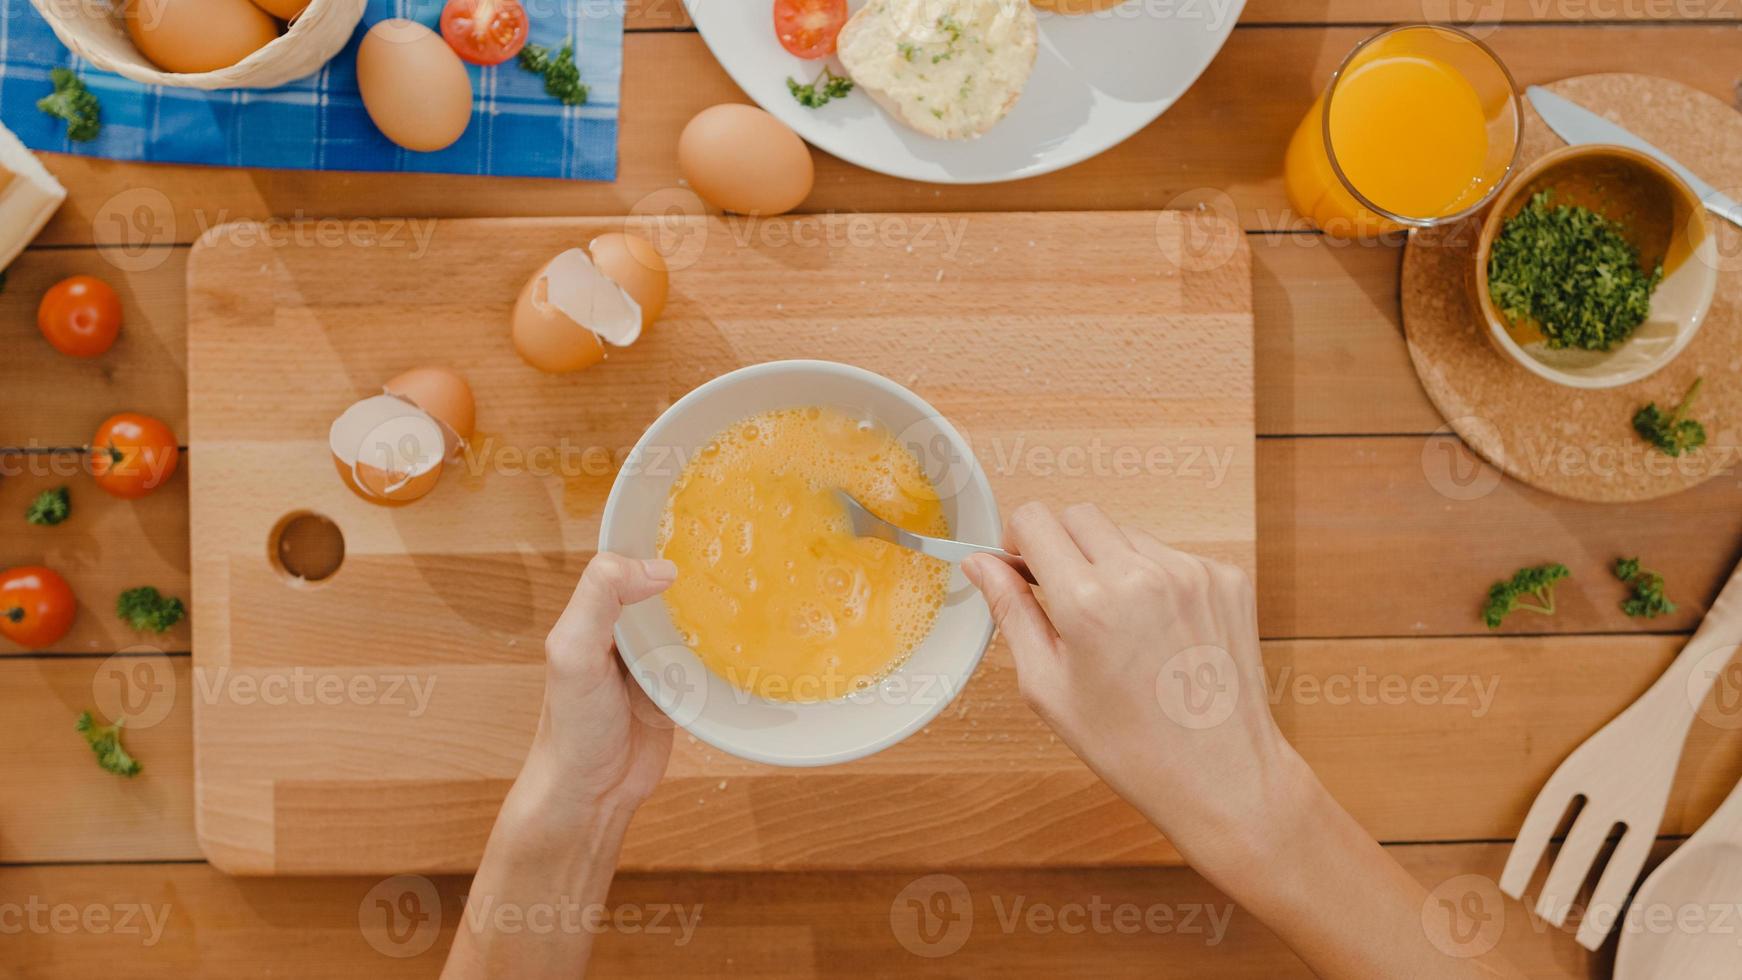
(1327, 889)
(536, 903)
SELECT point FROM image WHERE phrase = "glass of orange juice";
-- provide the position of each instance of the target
(1419, 126)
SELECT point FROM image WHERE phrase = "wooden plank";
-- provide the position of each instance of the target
(1423, 740)
(190, 921)
(1403, 536)
(1365, 514)
(106, 546)
(56, 804)
(1262, 82)
(58, 401)
(1330, 357)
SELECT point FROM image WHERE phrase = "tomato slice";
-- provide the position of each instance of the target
(807, 28)
(485, 32)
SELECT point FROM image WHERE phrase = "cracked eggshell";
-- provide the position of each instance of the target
(445, 396)
(632, 262)
(387, 450)
(568, 311)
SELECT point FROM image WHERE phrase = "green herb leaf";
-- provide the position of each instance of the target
(1647, 600)
(74, 103)
(1513, 595)
(1669, 431)
(562, 77)
(50, 507)
(105, 741)
(148, 610)
(821, 91)
(1571, 273)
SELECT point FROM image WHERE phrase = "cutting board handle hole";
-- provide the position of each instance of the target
(306, 548)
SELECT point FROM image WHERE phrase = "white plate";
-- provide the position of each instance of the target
(1098, 78)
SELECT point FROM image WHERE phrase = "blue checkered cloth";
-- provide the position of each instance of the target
(319, 123)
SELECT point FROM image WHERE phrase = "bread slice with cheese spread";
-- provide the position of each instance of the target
(948, 68)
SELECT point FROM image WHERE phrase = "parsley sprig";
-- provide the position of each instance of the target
(105, 741)
(1647, 600)
(821, 90)
(50, 507)
(1570, 272)
(562, 77)
(72, 101)
(1514, 594)
(1671, 432)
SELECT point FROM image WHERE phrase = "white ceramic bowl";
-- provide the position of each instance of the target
(787, 733)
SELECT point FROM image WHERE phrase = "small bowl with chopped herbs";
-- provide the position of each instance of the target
(1595, 267)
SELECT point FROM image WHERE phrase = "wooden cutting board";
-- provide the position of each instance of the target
(372, 723)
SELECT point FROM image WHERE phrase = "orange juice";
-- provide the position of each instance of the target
(1414, 127)
(774, 593)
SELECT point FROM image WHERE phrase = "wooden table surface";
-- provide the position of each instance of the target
(1378, 535)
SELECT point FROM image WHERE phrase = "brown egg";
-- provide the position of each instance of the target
(739, 158)
(282, 9)
(632, 262)
(443, 394)
(197, 35)
(415, 88)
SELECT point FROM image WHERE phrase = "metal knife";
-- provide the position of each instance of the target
(1579, 125)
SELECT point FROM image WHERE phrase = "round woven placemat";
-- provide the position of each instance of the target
(1569, 442)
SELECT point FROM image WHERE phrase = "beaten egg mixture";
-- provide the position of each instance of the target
(774, 593)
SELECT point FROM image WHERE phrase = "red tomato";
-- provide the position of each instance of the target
(484, 32)
(133, 454)
(807, 28)
(36, 606)
(80, 316)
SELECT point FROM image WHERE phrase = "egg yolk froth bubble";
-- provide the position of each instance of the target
(774, 592)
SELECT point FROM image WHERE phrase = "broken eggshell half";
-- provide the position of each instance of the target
(390, 448)
(577, 303)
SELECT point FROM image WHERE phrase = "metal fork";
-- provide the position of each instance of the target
(1623, 773)
(868, 525)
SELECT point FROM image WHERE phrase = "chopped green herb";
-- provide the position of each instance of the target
(74, 103)
(908, 49)
(105, 741)
(148, 610)
(1647, 600)
(823, 89)
(50, 507)
(1507, 597)
(1670, 432)
(1571, 273)
(562, 78)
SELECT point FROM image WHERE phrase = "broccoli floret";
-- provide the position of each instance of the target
(148, 610)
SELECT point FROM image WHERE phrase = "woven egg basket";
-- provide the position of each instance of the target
(94, 31)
